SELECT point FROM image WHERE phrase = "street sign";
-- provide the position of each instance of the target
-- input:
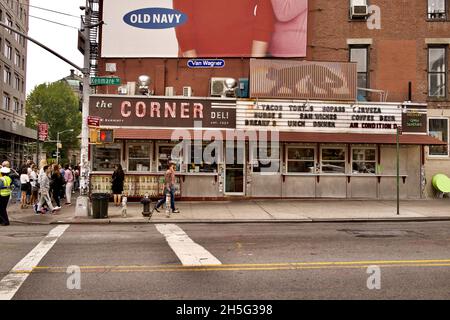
(93, 121)
(105, 81)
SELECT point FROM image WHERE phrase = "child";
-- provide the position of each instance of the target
(24, 186)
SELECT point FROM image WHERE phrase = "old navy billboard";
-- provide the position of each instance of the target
(204, 28)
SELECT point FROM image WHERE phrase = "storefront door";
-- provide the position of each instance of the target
(234, 170)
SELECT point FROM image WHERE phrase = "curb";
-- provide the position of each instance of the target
(107, 221)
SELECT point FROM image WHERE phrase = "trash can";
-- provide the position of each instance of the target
(100, 205)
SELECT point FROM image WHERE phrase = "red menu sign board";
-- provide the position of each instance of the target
(43, 131)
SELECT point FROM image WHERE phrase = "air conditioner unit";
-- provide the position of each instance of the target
(170, 91)
(187, 91)
(218, 87)
(123, 90)
(111, 67)
(359, 9)
(131, 88)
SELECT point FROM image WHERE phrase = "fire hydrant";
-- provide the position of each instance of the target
(146, 202)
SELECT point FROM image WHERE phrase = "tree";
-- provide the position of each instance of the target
(56, 104)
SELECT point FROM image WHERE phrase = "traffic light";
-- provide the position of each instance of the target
(106, 136)
(93, 135)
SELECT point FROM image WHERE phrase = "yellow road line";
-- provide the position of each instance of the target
(253, 267)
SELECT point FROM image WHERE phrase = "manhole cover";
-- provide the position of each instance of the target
(380, 233)
(26, 235)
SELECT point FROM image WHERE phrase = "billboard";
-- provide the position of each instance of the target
(204, 28)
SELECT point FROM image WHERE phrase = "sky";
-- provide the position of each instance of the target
(42, 66)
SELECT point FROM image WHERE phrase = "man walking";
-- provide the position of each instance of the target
(169, 180)
(44, 191)
(5, 193)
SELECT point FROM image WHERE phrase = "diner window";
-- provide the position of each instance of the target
(301, 159)
(438, 128)
(139, 157)
(437, 9)
(199, 160)
(360, 55)
(437, 72)
(105, 157)
(332, 160)
(364, 160)
(266, 158)
(165, 155)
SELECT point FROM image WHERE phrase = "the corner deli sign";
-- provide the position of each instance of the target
(319, 117)
(155, 18)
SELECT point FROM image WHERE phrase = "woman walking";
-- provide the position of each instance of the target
(25, 187)
(68, 176)
(57, 182)
(117, 180)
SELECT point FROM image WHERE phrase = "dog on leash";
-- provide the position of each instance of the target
(124, 207)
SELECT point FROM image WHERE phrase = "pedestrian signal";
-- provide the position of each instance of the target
(106, 136)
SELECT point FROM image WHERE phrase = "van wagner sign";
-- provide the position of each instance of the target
(162, 112)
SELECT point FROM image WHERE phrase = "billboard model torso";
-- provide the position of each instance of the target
(233, 28)
(289, 38)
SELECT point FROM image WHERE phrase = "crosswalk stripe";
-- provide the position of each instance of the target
(189, 252)
(12, 282)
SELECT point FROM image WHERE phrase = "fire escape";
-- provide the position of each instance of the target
(94, 8)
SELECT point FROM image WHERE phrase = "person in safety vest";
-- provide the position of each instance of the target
(5, 193)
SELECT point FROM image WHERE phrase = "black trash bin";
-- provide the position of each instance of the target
(100, 205)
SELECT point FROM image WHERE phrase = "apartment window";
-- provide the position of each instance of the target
(7, 75)
(9, 23)
(8, 50)
(437, 72)
(437, 9)
(266, 159)
(21, 109)
(364, 160)
(301, 159)
(16, 106)
(360, 55)
(6, 102)
(16, 82)
(438, 128)
(16, 35)
(17, 59)
(333, 159)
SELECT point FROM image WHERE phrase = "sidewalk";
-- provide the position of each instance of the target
(255, 211)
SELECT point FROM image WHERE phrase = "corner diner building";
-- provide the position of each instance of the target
(257, 147)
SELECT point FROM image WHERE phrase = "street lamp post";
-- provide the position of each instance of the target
(58, 143)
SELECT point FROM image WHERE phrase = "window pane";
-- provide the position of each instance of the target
(333, 167)
(106, 157)
(165, 156)
(436, 57)
(363, 167)
(436, 6)
(437, 85)
(364, 154)
(333, 154)
(438, 128)
(139, 151)
(301, 166)
(272, 166)
(359, 55)
(301, 154)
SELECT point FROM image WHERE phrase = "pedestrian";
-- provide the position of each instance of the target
(68, 177)
(117, 180)
(56, 184)
(44, 191)
(5, 193)
(169, 180)
(25, 186)
(34, 184)
(76, 173)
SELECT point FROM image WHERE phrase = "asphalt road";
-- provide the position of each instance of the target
(258, 261)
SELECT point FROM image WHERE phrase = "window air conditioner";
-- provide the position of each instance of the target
(218, 87)
(359, 9)
(170, 91)
(187, 91)
(123, 90)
